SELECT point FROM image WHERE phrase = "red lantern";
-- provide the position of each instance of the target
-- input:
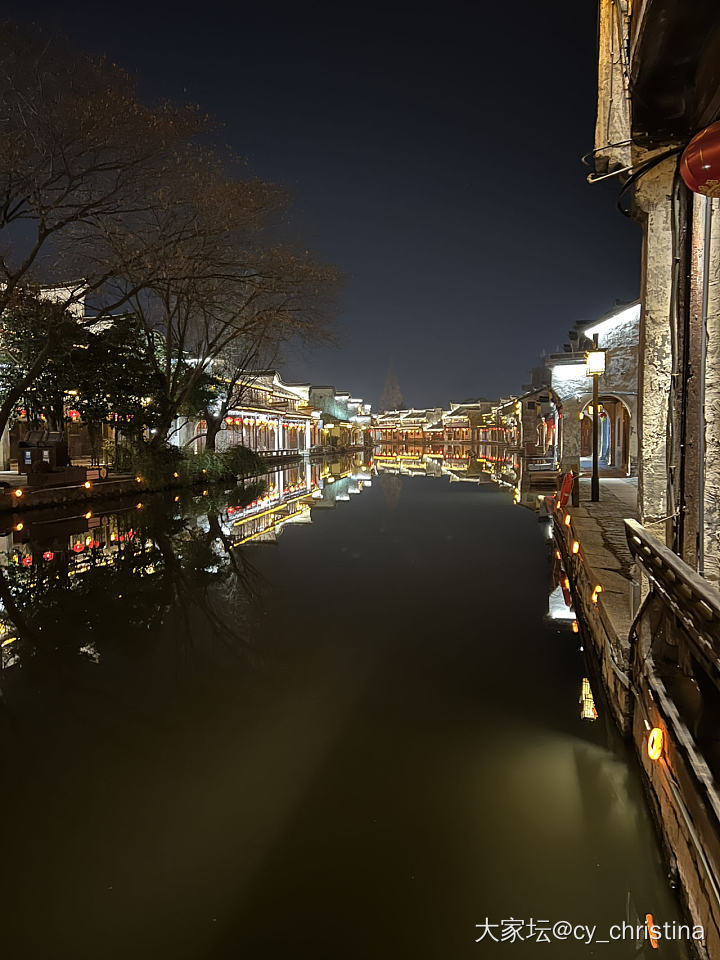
(27, 561)
(48, 555)
(78, 547)
(700, 162)
(74, 414)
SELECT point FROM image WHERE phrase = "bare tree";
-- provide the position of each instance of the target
(225, 295)
(84, 167)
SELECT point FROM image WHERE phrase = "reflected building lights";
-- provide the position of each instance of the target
(587, 701)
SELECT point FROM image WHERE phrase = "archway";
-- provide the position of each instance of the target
(614, 438)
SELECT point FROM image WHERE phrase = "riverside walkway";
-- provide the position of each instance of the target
(660, 672)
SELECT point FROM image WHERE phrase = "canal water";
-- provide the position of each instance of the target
(335, 721)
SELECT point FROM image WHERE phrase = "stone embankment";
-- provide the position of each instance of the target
(607, 588)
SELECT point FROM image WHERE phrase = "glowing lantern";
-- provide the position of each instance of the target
(575, 627)
(229, 421)
(700, 162)
(575, 546)
(73, 414)
(594, 363)
(78, 547)
(655, 743)
(568, 518)
(48, 555)
(27, 561)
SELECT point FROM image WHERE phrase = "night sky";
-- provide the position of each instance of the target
(433, 153)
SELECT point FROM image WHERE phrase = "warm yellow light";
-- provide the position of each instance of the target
(138, 506)
(567, 519)
(598, 590)
(18, 492)
(87, 484)
(575, 546)
(19, 526)
(558, 555)
(138, 479)
(177, 499)
(566, 583)
(655, 743)
(594, 363)
(176, 475)
(575, 627)
(653, 934)
(581, 415)
(88, 514)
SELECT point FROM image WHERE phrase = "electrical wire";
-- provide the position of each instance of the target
(585, 158)
(640, 172)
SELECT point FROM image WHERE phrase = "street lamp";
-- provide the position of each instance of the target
(595, 367)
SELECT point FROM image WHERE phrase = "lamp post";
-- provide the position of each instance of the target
(595, 367)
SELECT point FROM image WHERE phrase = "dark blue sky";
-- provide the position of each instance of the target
(433, 151)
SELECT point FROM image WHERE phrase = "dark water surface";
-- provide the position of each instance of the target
(356, 739)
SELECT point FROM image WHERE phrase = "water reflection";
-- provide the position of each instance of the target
(112, 571)
(228, 732)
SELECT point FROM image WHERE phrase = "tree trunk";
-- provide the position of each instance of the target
(212, 430)
(163, 429)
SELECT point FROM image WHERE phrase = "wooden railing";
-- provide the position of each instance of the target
(689, 596)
